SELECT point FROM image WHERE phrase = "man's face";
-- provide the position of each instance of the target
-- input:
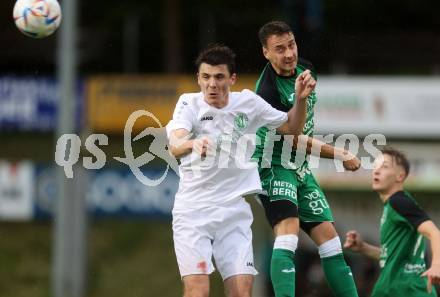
(282, 53)
(215, 82)
(386, 173)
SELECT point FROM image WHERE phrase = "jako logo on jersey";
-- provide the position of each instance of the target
(207, 118)
(241, 121)
(250, 264)
(288, 270)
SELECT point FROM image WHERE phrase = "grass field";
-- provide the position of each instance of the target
(126, 258)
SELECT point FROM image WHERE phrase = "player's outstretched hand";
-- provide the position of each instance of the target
(304, 85)
(433, 275)
(353, 241)
(351, 162)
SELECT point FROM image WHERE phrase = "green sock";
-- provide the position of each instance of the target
(339, 276)
(282, 272)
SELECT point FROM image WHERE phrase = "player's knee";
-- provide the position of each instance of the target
(320, 232)
(330, 248)
(287, 226)
(196, 292)
(242, 291)
(195, 288)
(240, 294)
(239, 286)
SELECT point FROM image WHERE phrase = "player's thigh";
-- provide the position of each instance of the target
(280, 200)
(192, 243)
(312, 203)
(232, 245)
(239, 285)
(196, 285)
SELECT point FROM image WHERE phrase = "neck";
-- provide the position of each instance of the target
(387, 193)
(219, 104)
(223, 102)
(282, 72)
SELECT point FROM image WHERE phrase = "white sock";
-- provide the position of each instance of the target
(286, 242)
(330, 248)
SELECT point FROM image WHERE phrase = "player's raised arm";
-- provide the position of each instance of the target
(355, 243)
(430, 231)
(180, 144)
(304, 85)
(316, 147)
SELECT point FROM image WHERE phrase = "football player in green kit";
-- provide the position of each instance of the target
(293, 198)
(402, 230)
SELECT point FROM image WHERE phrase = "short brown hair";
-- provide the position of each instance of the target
(272, 28)
(398, 156)
(217, 54)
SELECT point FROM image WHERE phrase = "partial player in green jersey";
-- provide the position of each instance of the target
(293, 197)
(402, 230)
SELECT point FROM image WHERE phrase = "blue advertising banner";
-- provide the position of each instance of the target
(111, 193)
(31, 104)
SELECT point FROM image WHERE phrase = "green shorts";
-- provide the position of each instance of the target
(281, 184)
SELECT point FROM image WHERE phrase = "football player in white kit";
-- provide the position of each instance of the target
(213, 134)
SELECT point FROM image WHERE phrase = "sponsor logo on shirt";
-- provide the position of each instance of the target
(414, 268)
(207, 118)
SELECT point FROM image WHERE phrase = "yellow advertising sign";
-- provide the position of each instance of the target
(112, 98)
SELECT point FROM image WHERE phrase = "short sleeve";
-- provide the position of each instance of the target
(183, 116)
(408, 209)
(268, 116)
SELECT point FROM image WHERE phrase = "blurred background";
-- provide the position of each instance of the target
(378, 64)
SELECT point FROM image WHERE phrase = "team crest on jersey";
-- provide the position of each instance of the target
(241, 121)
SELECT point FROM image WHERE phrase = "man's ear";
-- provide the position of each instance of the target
(198, 78)
(265, 52)
(233, 78)
(401, 175)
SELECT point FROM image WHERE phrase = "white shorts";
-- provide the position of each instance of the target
(222, 231)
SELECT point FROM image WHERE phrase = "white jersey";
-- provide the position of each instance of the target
(227, 172)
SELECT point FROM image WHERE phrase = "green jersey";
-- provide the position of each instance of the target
(402, 249)
(279, 91)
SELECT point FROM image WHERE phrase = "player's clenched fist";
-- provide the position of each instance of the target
(304, 85)
(351, 162)
(200, 146)
(353, 241)
(433, 276)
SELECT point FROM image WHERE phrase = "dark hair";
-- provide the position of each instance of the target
(217, 54)
(398, 157)
(272, 28)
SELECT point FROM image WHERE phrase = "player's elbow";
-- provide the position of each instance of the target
(180, 151)
(295, 129)
(174, 151)
(429, 230)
